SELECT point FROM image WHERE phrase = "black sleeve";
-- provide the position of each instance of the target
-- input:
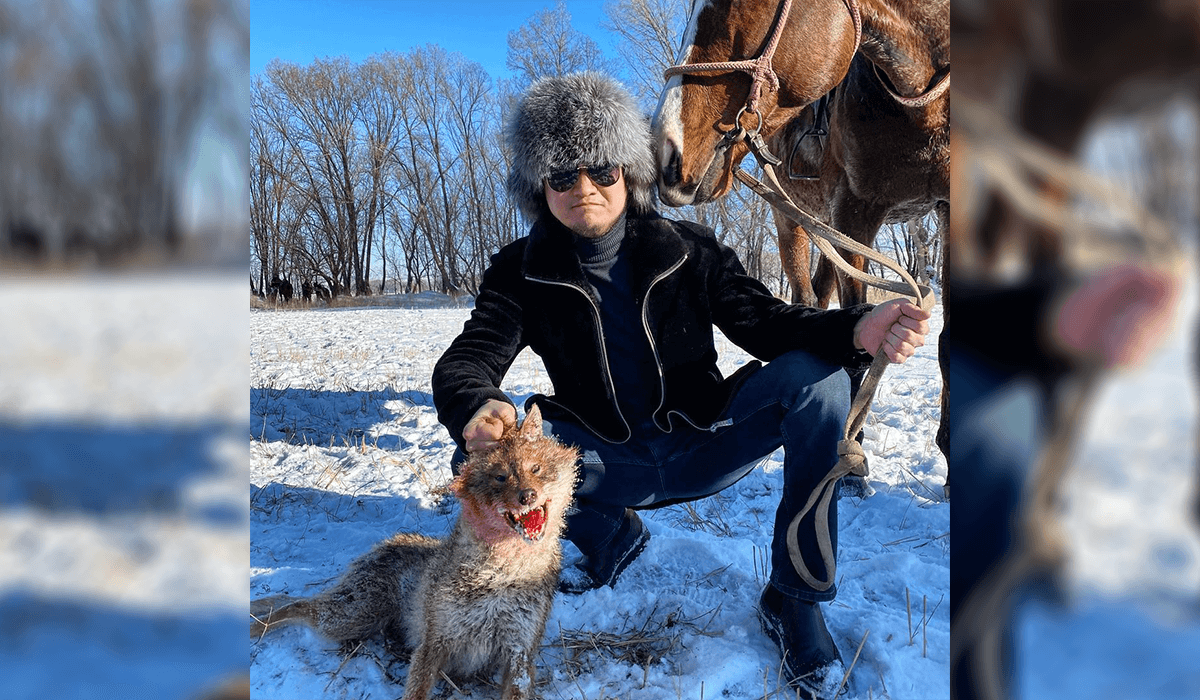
(766, 326)
(469, 372)
(1005, 326)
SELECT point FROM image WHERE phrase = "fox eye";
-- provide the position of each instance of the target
(501, 478)
(537, 469)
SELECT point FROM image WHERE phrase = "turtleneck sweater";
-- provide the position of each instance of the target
(630, 359)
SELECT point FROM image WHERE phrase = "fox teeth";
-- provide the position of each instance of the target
(516, 522)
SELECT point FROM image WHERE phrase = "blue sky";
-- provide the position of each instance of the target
(301, 30)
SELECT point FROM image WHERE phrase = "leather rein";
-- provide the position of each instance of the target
(851, 459)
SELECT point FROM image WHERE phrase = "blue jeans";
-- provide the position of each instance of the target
(996, 429)
(795, 401)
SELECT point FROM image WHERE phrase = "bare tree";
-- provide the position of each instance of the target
(468, 92)
(547, 45)
(651, 32)
(379, 120)
(322, 104)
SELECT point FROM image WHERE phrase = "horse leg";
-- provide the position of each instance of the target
(824, 282)
(793, 255)
(860, 221)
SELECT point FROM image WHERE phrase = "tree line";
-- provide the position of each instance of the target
(393, 168)
(106, 110)
(393, 161)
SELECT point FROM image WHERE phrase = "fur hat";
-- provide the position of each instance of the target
(573, 121)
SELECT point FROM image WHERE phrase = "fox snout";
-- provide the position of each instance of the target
(527, 497)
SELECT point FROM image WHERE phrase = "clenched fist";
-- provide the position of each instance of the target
(488, 424)
(896, 328)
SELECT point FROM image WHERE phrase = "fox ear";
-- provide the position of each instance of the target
(532, 427)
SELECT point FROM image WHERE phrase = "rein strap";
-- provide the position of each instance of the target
(851, 459)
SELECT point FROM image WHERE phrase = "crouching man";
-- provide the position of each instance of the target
(620, 305)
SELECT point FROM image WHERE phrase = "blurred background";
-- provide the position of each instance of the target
(124, 132)
(124, 213)
(1070, 349)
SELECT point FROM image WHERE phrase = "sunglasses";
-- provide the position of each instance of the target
(603, 175)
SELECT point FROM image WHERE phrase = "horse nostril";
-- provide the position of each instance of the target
(672, 173)
(527, 496)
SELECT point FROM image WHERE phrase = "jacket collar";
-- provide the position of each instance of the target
(651, 241)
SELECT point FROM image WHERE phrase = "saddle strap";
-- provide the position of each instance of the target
(851, 459)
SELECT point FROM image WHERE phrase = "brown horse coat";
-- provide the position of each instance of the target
(886, 159)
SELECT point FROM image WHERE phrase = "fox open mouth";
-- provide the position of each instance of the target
(530, 525)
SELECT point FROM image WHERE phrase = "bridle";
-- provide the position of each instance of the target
(760, 69)
(938, 85)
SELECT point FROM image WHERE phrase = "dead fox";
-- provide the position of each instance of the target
(476, 601)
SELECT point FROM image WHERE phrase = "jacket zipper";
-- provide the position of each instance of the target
(662, 380)
(712, 428)
(585, 424)
(604, 356)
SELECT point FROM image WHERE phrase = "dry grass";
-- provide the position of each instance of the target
(641, 645)
(712, 520)
(302, 355)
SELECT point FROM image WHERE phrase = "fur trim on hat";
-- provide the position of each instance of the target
(574, 121)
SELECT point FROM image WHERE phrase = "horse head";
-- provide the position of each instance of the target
(803, 49)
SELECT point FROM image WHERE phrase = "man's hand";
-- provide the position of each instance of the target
(487, 425)
(1117, 316)
(897, 328)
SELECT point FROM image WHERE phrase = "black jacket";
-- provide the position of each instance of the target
(534, 294)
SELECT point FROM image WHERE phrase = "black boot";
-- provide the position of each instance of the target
(603, 567)
(811, 661)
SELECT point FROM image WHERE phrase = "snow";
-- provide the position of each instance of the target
(124, 512)
(1132, 625)
(347, 450)
(123, 517)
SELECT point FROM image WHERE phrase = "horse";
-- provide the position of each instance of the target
(280, 287)
(883, 67)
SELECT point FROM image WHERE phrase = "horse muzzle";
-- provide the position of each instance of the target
(676, 189)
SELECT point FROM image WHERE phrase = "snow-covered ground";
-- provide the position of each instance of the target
(123, 461)
(123, 511)
(1132, 628)
(347, 449)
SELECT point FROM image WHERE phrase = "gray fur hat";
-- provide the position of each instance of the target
(574, 121)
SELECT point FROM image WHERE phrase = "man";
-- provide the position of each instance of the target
(620, 304)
